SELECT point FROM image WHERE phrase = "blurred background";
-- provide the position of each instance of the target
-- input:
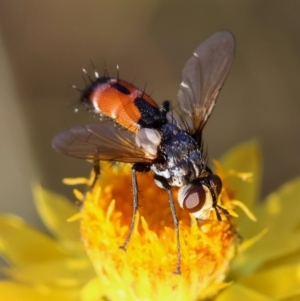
(44, 44)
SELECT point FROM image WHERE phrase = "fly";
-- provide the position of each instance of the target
(134, 129)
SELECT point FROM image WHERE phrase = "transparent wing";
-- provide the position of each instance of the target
(103, 141)
(203, 76)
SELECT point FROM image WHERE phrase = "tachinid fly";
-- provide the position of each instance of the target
(158, 139)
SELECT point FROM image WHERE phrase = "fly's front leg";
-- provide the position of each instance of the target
(137, 167)
(162, 183)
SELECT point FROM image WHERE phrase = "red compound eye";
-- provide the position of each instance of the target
(194, 199)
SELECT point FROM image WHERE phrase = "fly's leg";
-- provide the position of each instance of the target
(96, 169)
(138, 167)
(162, 183)
(214, 184)
(176, 226)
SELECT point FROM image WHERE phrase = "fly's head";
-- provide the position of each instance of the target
(200, 196)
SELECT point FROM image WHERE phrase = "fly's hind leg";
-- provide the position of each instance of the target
(96, 168)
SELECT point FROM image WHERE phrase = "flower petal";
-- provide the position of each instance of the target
(267, 282)
(55, 210)
(291, 298)
(245, 157)
(21, 244)
(280, 214)
(71, 272)
(284, 260)
(16, 291)
(240, 292)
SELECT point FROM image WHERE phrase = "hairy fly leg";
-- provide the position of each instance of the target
(162, 183)
(137, 167)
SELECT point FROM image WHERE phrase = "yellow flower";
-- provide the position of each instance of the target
(268, 265)
(262, 258)
(145, 270)
(43, 267)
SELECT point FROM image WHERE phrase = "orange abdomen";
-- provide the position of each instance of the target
(122, 102)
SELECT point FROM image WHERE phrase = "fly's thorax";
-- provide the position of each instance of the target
(179, 159)
(176, 145)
